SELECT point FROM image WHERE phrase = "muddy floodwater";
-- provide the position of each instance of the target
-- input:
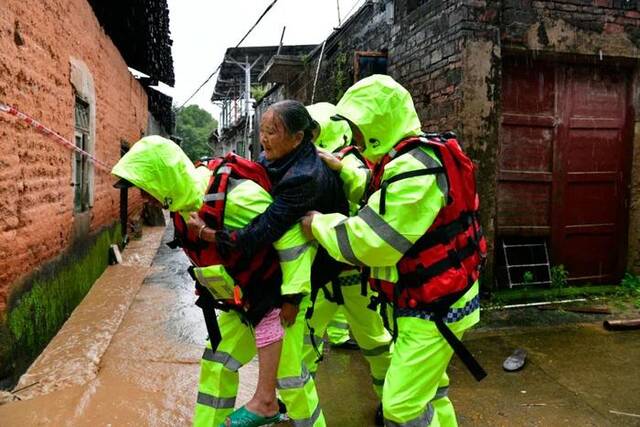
(129, 356)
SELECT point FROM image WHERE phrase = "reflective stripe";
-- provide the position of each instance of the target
(309, 422)
(294, 382)
(383, 273)
(339, 325)
(233, 183)
(216, 402)
(213, 197)
(293, 253)
(221, 357)
(441, 392)
(422, 421)
(384, 230)
(421, 156)
(453, 315)
(378, 382)
(429, 162)
(392, 153)
(345, 246)
(377, 351)
(206, 280)
(224, 169)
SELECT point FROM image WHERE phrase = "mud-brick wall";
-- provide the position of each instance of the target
(606, 30)
(47, 50)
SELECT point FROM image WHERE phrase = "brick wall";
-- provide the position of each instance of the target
(573, 26)
(37, 45)
(367, 30)
(446, 53)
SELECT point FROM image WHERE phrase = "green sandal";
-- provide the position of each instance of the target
(242, 417)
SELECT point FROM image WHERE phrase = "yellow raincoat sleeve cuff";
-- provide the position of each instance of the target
(354, 181)
(296, 258)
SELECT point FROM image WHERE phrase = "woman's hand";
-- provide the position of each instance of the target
(305, 223)
(288, 313)
(195, 222)
(198, 226)
(329, 159)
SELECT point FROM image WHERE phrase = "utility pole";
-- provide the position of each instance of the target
(247, 90)
(339, 18)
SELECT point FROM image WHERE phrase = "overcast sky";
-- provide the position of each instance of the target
(203, 29)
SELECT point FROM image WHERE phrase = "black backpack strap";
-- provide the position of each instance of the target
(400, 176)
(364, 281)
(463, 353)
(307, 317)
(336, 287)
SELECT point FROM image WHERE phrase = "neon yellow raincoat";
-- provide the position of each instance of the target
(416, 382)
(366, 324)
(160, 167)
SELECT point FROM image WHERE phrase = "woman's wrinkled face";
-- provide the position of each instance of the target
(275, 139)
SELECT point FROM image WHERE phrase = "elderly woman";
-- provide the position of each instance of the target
(301, 182)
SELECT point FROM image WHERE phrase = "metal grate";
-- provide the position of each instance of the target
(526, 263)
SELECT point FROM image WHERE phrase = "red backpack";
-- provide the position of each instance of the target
(260, 268)
(443, 264)
(446, 261)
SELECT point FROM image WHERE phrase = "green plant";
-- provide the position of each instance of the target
(630, 284)
(559, 276)
(258, 92)
(38, 310)
(341, 77)
(527, 277)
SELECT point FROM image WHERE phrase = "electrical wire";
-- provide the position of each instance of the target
(237, 45)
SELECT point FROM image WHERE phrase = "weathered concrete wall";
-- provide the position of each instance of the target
(37, 45)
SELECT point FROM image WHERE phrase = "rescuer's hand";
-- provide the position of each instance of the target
(288, 314)
(305, 223)
(330, 160)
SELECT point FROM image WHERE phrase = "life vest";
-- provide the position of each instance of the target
(446, 261)
(251, 275)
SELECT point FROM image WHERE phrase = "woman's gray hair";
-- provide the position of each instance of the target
(295, 117)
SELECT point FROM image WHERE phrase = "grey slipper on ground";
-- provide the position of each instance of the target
(516, 361)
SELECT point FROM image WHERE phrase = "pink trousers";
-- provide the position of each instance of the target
(269, 330)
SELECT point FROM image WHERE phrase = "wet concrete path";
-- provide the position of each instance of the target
(129, 356)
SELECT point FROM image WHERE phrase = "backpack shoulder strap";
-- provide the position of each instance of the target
(215, 197)
(404, 147)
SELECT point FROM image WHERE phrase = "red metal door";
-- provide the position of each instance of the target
(527, 140)
(563, 169)
(589, 229)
